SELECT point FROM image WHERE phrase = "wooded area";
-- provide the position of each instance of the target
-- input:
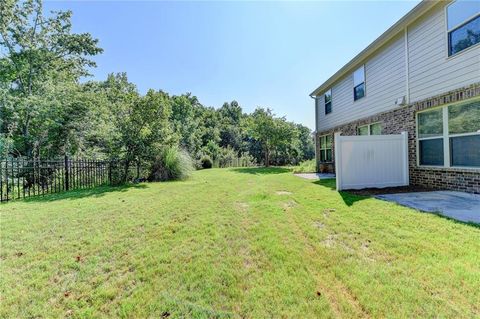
(49, 109)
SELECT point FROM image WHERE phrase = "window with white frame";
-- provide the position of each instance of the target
(463, 25)
(359, 83)
(326, 148)
(370, 129)
(328, 101)
(450, 136)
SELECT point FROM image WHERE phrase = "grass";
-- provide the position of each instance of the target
(306, 167)
(233, 243)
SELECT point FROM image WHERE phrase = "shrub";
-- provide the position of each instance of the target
(305, 167)
(206, 161)
(227, 157)
(247, 160)
(171, 164)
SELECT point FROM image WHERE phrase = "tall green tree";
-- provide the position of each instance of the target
(38, 53)
(231, 118)
(185, 120)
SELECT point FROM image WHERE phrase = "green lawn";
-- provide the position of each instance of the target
(236, 243)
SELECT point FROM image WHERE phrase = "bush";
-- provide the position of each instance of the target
(305, 167)
(227, 157)
(171, 164)
(247, 160)
(206, 161)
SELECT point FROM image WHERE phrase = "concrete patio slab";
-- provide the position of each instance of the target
(315, 175)
(457, 205)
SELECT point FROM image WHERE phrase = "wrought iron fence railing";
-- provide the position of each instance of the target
(23, 177)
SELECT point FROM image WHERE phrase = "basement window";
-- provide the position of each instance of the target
(463, 24)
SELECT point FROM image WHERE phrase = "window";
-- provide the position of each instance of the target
(450, 136)
(370, 129)
(326, 148)
(464, 134)
(363, 130)
(463, 24)
(328, 101)
(430, 137)
(375, 129)
(359, 83)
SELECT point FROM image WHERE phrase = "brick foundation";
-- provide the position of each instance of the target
(403, 119)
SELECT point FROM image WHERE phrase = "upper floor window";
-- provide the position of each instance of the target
(463, 24)
(359, 83)
(328, 101)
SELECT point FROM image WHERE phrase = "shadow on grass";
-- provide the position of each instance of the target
(348, 198)
(81, 193)
(456, 221)
(262, 170)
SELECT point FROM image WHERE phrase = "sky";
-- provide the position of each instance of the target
(268, 54)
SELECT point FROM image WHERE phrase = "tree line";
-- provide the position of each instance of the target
(48, 110)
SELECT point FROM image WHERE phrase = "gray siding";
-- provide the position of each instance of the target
(430, 72)
(385, 82)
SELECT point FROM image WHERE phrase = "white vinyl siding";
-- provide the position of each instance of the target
(385, 78)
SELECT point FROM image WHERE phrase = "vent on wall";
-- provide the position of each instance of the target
(400, 101)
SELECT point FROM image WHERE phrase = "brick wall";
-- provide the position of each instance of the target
(403, 119)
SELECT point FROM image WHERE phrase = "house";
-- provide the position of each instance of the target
(421, 76)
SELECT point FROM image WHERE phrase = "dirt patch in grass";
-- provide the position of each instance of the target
(330, 241)
(241, 206)
(318, 224)
(289, 204)
(283, 193)
(390, 190)
(328, 211)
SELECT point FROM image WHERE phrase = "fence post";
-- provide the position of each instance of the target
(6, 178)
(406, 172)
(67, 173)
(110, 172)
(338, 157)
(138, 170)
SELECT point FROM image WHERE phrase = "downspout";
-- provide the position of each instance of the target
(407, 68)
(317, 156)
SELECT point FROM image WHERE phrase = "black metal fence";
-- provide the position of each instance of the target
(22, 177)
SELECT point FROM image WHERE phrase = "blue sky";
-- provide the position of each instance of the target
(270, 54)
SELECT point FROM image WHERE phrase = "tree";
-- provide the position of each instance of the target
(231, 117)
(186, 122)
(141, 123)
(41, 52)
(306, 142)
(45, 111)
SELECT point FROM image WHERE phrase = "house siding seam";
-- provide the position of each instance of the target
(403, 119)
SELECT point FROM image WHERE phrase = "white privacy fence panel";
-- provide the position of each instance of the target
(371, 161)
